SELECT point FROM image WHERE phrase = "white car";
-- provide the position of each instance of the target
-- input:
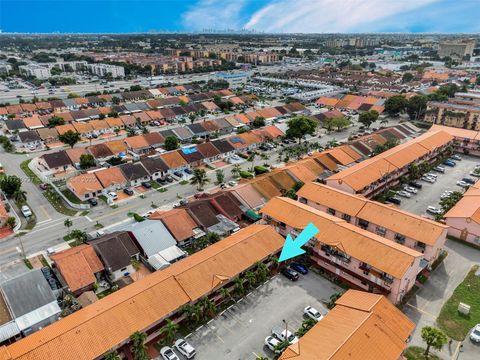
(272, 343)
(113, 195)
(475, 334)
(232, 183)
(313, 313)
(185, 348)
(168, 353)
(404, 194)
(26, 211)
(476, 174)
(462, 183)
(283, 335)
(435, 176)
(410, 189)
(433, 210)
(428, 179)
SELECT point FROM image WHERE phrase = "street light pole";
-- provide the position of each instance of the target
(286, 329)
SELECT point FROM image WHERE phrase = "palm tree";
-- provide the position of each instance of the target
(68, 223)
(131, 132)
(197, 313)
(199, 178)
(225, 294)
(252, 159)
(113, 355)
(170, 330)
(20, 196)
(251, 278)
(236, 170)
(139, 350)
(261, 271)
(239, 288)
(207, 305)
(201, 243)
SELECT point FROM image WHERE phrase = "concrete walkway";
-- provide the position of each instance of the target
(424, 307)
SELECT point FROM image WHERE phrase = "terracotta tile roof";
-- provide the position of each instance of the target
(67, 116)
(85, 183)
(136, 142)
(383, 254)
(210, 105)
(110, 176)
(82, 127)
(266, 187)
(78, 266)
(178, 222)
(456, 132)
(128, 120)
(326, 101)
(75, 153)
(47, 134)
(242, 118)
(324, 160)
(208, 150)
(173, 159)
(116, 146)
(28, 107)
(99, 124)
(99, 151)
(114, 122)
(62, 129)
(340, 156)
(361, 326)
(250, 138)
(154, 139)
(33, 122)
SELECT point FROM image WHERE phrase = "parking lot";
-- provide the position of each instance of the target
(240, 331)
(430, 194)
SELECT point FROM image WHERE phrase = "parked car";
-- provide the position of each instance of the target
(462, 183)
(290, 274)
(168, 353)
(476, 174)
(161, 181)
(128, 191)
(185, 348)
(456, 157)
(313, 313)
(232, 183)
(433, 210)
(439, 169)
(113, 195)
(93, 202)
(475, 334)
(404, 193)
(428, 179)
(302, 269)
(435, 176)
(284, 334)
(450, 163)
(146, 184)
(410, 189)
(394, 200)
(469, 180)
(178, 174)
(169, 178)
(188, 171)
(26, 211)
(223, 186)
(415, 184)
(44, 186)
(272, 343)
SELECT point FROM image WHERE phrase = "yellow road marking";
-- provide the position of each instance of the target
(422, 311)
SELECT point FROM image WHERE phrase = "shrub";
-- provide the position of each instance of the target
(260, 170)
(246, 175)
(138, 218)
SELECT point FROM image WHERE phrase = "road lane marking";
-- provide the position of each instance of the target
(86, 217)
(45, 212)
(8, 250)
(422, 311)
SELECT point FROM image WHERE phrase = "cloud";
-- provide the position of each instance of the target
(214, 14)
(328, 15)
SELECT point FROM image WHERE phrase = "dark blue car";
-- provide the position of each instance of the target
(302, 269)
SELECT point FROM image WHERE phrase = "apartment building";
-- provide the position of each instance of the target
(374, 175)
(466, 141)
(145, 305)
(358, 257)
(37, 71)
(413, 231)
(462, 111)
(360, 326)
(105, 69)
(456, 49)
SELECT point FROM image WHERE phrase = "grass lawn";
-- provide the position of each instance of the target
(416, 353)
(70, 196)
(454, 324)
(184, 182)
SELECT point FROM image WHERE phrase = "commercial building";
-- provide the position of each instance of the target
(360, 326)
(456, 49)
(358, 257)
(235, 80)
(145, 305)
(416, 232)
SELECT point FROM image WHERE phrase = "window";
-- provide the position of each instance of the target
(346, 217)
(87, 196)
(124, 269)
(363, 223)
(380, 230)
(331, 211)
(420, 245)
(387, 278)
(399, 238)
(282, 225)
(302, 200)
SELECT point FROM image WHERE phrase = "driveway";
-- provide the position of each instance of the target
(240, 331)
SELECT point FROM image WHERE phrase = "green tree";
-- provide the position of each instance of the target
(87, 161)
(407, 77)
(78, 235)
(367, 118)
(306, 326)
(199, 178)
(11, 222)
(433, 337)
(416, 107)
(220, 175)
(171, 143)
(258, 122)
(70, 138)
(10, 184)
(333, 298)
(251, 278)
(139, 350)
(261, 271)
(395, 105)
(55, 121)
(20, 196)
(413, 171)
(236, 170)
(251, 159)
(239, 289)
(113, 355)
(300, 126)
(225, 294)
(450, 201)
(131, 132)
(169, 330)
(340, 122)
(68, 224)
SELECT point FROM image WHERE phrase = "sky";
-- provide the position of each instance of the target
(277, 16)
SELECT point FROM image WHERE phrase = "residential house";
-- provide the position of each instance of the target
(117, 147)
(33, 122)
(137, 144)
(101, 152)
(117, 252)
(209, 152)
(154, 139)
(30, 139)
(111, 179)
(174, 161)
(15, 126)
(191, 155)
(135, 173)
(198, 130)
(48, 136)
(156, 167)
(209, 218)
(84, 129)
(79, 267)
(358, 257)
(183, 134)
(360, 326)
(115, 123)
(55, 163)
(224, 147)
(85, 186)
(74, 155)
(416, 232)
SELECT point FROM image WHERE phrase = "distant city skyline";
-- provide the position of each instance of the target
(271, 16)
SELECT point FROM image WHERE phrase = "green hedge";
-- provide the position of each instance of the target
(260, 170)
(246, 175)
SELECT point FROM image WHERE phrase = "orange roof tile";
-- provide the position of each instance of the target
(178, 221)
(173, 159)
(62, 129)
(84, 183)
(111, 176)
(136, 142)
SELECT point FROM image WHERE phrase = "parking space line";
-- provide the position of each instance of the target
(256, 355)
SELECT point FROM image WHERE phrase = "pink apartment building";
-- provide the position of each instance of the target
(363, 259)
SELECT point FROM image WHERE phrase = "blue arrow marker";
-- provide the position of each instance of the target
(292, 248)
